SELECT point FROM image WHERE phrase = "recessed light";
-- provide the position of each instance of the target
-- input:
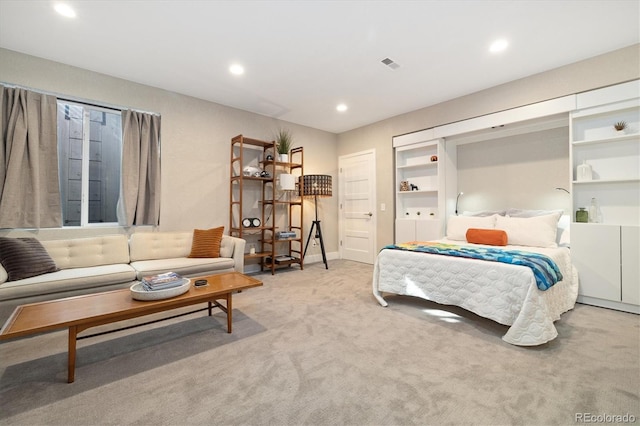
(65, 10)
(236, 69)
(341, 108)
(498, 45)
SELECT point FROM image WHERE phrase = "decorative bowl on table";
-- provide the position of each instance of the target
(138, 292)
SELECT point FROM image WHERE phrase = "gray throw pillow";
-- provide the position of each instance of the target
(24, 258)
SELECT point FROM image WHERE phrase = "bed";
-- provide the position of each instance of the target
(505, 293)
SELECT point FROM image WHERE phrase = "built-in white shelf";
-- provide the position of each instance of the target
(419, 165)
(418, 212)
(416, 192)
(610, 139)
(604, 181)
(606, 253)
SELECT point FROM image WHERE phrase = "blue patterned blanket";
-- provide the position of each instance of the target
(545, 270)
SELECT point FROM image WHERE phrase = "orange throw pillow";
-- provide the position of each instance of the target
(491, 237)
(206, 242)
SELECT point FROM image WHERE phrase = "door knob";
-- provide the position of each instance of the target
(368, 214)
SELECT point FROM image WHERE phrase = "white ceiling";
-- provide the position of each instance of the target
(302, 58)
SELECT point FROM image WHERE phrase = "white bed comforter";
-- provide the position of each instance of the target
(501, 292)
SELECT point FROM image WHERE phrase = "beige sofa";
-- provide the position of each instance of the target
(110, 262)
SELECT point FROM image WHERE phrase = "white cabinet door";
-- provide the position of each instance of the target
(428, 230)
(630, 264)
(405, 230)
(595, 252)
(418, 230)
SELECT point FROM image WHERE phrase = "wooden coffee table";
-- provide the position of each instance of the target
(82, 312)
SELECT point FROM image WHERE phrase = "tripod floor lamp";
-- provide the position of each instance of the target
(316, 186)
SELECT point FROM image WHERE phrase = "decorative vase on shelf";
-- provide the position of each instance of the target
(283, 158)
(582, 215)
(584, 171)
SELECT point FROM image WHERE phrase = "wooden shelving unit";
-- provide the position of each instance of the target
(287, 209)
(260, 197)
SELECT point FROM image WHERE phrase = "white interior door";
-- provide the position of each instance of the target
(357, 206)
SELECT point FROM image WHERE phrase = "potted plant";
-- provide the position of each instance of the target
(620, 126)
(284, 140)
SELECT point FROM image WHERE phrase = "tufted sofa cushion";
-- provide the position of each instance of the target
(169, 245)
(68, 280)
(159, 245)
(85, 263)
(86, 252)
(185, 266)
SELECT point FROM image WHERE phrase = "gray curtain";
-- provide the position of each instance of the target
(29, 185)
(139, 202)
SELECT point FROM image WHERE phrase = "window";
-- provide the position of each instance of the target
(89, 151)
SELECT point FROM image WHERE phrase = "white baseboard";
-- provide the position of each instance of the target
(610, 304)
(315, 258)
(312, 258)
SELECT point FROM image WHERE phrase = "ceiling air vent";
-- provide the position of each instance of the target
(389, 62)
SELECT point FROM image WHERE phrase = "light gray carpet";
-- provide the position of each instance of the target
(314, 347)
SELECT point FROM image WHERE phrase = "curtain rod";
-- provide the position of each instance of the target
(76, 99)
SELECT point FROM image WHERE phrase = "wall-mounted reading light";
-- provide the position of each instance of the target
(457, 199)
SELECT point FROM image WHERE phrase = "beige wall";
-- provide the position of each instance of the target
(196, 139)
(611, 68)
(520, 171)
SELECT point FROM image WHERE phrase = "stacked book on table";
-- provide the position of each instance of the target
(162, 281)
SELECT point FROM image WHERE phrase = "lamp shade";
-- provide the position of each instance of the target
(316, 185)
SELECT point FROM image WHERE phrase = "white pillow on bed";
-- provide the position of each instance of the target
(564, 235)
(531, 213)
(537, 231)
(484, 213)
(457, 226)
